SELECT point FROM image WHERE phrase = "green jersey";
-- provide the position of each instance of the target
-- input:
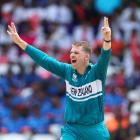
(84, 93)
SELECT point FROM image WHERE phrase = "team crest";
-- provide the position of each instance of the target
(74, 77)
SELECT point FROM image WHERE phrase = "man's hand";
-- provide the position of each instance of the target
(13, 33)
(106, 32)
(15, 37)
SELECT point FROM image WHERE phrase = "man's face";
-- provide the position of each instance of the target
(77, 57)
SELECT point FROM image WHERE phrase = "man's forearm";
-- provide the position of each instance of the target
(22, 44)
(106, 45)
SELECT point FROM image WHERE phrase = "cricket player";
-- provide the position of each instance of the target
(85, 85)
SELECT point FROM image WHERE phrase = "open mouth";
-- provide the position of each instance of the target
(73, 61)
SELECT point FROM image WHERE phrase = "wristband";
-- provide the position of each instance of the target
(107, 41)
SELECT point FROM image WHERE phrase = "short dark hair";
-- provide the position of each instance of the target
(84, 45)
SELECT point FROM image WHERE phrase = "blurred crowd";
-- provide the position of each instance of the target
(32, 99)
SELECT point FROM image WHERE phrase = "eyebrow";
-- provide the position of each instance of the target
(76, 52)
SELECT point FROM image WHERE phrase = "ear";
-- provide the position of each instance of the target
(87, 57)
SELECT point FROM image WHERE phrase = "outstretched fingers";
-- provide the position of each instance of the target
(106, 23)
(9, 32)
(10, 29)
(13, 27)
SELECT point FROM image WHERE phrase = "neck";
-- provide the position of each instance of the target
(81, 70)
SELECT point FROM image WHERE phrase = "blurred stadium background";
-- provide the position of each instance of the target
(32, 100)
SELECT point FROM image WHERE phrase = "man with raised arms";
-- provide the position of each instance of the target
(85, 85)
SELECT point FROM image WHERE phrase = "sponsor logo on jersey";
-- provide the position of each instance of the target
(84, 92)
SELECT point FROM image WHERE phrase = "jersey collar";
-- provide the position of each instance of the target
(87, 69)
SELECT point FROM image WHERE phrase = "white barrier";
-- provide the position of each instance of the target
(43, 137)
(16, 136)
(137, 138)
(13, 136)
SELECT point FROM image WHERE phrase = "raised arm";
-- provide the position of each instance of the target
(103, 61)
(37, 55)
(106, 32)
